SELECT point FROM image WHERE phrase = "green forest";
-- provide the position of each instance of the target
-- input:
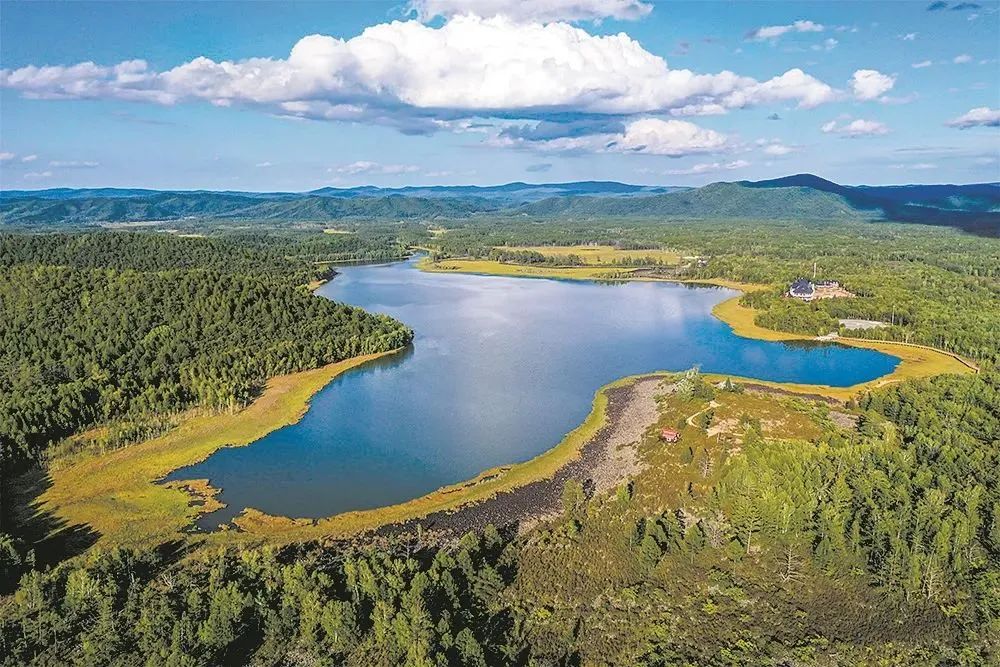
(875, 542)
(122, 330)
(934, 286)
(878, 548)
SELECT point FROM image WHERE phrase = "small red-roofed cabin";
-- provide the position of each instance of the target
(669, 435)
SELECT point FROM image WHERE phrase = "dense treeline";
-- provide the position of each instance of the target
(878, 545)
(124, 329)
(936, 287)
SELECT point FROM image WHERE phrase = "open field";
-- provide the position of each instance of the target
(490, 268)
(597, 255)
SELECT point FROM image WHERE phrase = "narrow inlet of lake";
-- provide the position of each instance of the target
(499, 371)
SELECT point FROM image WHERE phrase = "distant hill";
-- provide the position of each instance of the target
(718, 200)
(167, 206)
(510, 193)
(975, 208)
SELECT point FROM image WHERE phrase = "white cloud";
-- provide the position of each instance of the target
(708, 167)
(776, 31)
(856, 128)
(668, 137)
(962, 59)
(774, 147)
(368, 167)
(909, 37)
(917, 166)
(829, 44)
(4, 156)
(74, 164)
(263, 165)
(37, 175)
(648, 136)
(544, 11)
(922, 64)
(978, 117)
(869, 84)
(29, 158)
(412, 75)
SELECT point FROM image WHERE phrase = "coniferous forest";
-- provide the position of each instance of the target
(122, 329)
(871, 542)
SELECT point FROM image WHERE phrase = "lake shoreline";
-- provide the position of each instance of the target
(159, 516)
(119, 495)
(916, 361)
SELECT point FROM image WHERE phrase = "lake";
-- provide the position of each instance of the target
(500, 369)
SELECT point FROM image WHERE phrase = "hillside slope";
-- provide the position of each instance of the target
(718, 200)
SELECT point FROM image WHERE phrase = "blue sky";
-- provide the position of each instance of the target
(294, 96)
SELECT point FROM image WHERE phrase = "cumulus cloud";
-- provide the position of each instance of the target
(856, 128)
(978, 117)
(4, 156)
(775, 31)
(668, 137)
(922, 64)
(368, 167)
(415, 77)
(908, 37)
(37, 175)
(74, 164)
(29, 158)
(870, 84)
(544, 11)
(775, 147)
(708, 167)
(962, 59)
(648, 136)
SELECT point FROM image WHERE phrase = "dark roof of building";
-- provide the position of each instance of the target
(801, 286)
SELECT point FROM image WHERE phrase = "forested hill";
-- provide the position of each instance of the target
(975, 208)
(170, 206)
(718, 200)
(124, 330)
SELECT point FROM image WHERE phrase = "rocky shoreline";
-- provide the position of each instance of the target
(606, 460)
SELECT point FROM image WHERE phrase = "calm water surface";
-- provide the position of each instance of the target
(500, 370)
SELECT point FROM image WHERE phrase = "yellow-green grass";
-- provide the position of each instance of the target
(483, 487)
(596, 255)
(490, 268)
(117, 494)
(915, 361)
(486, 267)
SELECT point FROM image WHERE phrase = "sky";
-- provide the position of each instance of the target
(293, 96)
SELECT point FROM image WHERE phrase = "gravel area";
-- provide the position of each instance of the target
(608, 459)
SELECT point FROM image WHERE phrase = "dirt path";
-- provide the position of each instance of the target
(608, 459)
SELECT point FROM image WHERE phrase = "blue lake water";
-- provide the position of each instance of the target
(499, 371)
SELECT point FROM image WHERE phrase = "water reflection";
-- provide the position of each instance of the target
(500, 369)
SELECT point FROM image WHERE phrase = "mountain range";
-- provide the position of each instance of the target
(974, 208)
